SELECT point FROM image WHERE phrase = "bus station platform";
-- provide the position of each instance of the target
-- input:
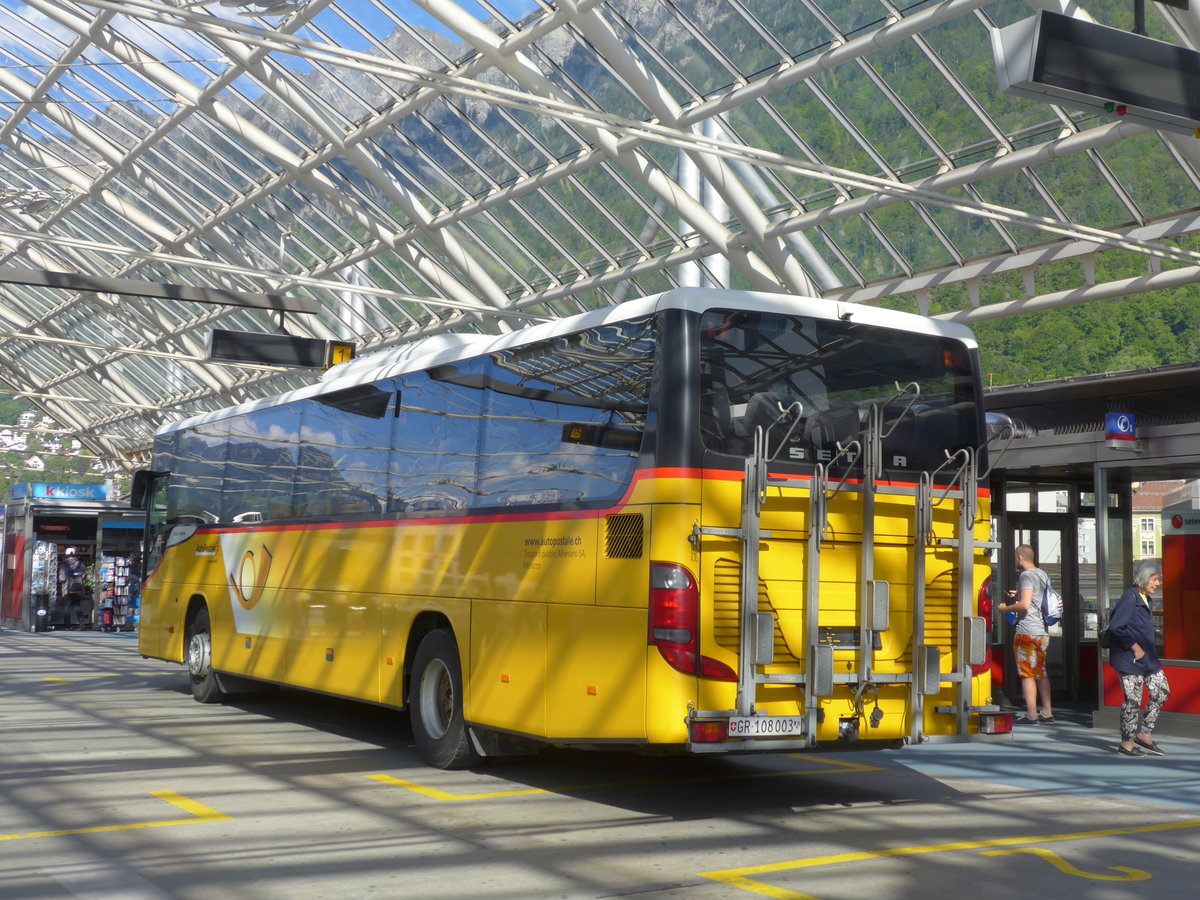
(118, 785)
(1070, 758)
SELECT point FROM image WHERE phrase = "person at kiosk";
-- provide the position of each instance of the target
(72, 589)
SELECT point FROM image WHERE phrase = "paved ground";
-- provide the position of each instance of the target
(114, 784)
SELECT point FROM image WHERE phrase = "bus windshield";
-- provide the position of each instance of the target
(755, 366)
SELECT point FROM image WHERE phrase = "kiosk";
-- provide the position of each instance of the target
(41, 521)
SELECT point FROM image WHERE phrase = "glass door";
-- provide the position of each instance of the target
(1054, 540)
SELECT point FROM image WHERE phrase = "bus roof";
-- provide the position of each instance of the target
(452, 347)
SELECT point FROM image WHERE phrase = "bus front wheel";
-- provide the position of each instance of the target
(436, 706)
(205, 687)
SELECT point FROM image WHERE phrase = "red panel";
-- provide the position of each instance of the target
(14, 585)
(1181, 596)
(1185, 689)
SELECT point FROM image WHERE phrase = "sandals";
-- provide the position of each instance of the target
(1134, 751)
(1149, 747)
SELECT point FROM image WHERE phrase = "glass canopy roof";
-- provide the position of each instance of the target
(412, 167)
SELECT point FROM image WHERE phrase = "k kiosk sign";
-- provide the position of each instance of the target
(59, 492)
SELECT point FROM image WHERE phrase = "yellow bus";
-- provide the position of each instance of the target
(704, 521)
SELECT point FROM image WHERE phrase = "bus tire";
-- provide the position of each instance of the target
(435, 704)
(198, 654)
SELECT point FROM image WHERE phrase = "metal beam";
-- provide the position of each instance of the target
(74, 281)
(1109, 290)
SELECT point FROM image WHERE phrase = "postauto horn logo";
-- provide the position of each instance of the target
(250, 579)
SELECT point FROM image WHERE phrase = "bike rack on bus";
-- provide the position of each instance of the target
(756, 638)
(971, 647)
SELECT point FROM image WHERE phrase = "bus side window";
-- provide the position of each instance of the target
(261, 466)
(564, 420)
(435, 435)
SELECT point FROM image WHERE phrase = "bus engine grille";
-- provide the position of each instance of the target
(623, 536)
(727, 590)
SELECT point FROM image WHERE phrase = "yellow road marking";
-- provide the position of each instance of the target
(743, 878)
(198, 812)
(1062, 865)
(845, 764)
(433, 793)
(105, 675)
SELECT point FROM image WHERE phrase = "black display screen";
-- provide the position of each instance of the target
(1115, 65)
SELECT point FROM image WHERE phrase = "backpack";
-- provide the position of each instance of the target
(1052, 605)
(75, 572)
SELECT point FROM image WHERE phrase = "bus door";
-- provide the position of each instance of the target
(149, 493)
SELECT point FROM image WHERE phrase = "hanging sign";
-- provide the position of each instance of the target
(1120, 431)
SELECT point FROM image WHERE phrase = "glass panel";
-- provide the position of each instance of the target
(1082, 192)
(1042, 498)
(1048, 551)
(972, 236)
(1145, 168)
(1087, 575)
(910, 236)
(1087, 500)
(1119, 567)
(851, 16)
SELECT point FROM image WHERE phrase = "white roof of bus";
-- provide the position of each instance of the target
(448, 348)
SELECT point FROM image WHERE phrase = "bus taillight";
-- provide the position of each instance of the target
(675, 623)
(983, 608)
(709, 731)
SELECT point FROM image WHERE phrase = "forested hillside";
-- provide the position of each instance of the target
(1110, 336)
(1099, 337)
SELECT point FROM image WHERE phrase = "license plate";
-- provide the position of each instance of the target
(766, 726)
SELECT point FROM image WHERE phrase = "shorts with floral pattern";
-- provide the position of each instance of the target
(1030, 651)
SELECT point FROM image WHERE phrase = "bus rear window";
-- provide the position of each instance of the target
(819, 378)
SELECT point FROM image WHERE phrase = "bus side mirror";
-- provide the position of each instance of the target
(139, 493)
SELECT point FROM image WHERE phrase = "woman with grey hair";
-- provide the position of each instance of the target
(1133, 658)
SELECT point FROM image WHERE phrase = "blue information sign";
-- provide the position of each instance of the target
(1120, 427)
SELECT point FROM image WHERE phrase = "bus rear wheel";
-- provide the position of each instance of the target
(198, 648)
(436, 706)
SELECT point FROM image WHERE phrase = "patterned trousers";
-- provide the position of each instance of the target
(1159, 690)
